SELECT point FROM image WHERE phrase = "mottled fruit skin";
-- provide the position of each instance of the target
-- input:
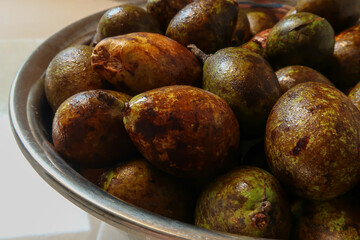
(208, 24)
(247, 201)
(300, 39)
(341, 14)
(246, 82)
(70, 72)
(137, 62)
(165, 10)
(126, 19)
(345, 67)
(354, 95)
(290, 76)
(260, 21)
(141, 184)
(335, 219)
(257, 44)
(88, 129)
(183, 130)
(312, 141)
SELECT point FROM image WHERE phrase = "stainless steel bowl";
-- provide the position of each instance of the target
(31, 120)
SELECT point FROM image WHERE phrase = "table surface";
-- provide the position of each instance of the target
(29, 208)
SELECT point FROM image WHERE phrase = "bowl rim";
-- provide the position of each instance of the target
(26, 94)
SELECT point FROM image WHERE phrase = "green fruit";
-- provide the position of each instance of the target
(290, 76)
(139, 183)
(300, 39)
(312, 141)
(70, 72)
(209, 24)
(125, 19)
(183, 130)
(246, 201)
(246, 82)
(345, 68)
(88, 129)
(341, 14)
(137, 62)
(165, 10)
(335, 219)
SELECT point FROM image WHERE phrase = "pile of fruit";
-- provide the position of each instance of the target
(233, 119)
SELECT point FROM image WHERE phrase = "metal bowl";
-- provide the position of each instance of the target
(31, 123)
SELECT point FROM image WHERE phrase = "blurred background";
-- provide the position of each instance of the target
(29, 208)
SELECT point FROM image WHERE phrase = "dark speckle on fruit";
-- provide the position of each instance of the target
(300, 145)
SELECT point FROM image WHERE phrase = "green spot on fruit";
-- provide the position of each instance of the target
(338, 224)
(109, 177)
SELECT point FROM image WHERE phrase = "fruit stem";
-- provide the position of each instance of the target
(198, 53)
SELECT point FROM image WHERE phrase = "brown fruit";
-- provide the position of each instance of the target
(138, 62)
(141, 184)
(183, 130)
(70, 72)
(312, 141)
(345, 68)
(290, 76)
(88, 129)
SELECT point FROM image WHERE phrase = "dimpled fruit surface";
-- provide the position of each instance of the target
(312, 141)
